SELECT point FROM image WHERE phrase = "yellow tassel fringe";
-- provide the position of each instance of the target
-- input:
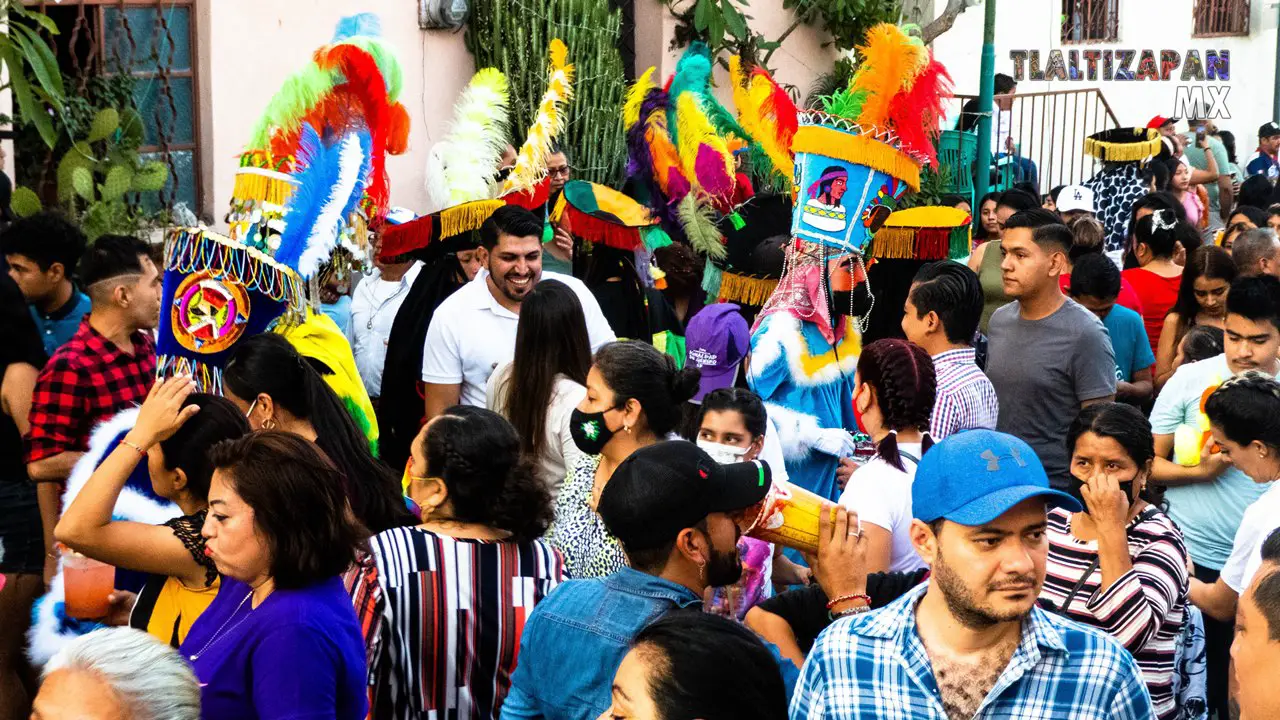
(466, 217)
(894, 244)
(745, 289)
(263, 185)
(857, 149)
(1125, 152)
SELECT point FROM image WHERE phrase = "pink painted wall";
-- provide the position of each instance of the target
(248, 48)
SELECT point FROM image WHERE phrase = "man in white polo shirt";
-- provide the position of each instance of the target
(474, 330)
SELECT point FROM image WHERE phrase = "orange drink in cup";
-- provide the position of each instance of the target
(787, 516)
(87, 586)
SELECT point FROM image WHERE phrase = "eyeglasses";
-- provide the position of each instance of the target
(562, 170)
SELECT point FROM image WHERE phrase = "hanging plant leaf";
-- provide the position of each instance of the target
(28, 108)
(734, 22)
(43, 63)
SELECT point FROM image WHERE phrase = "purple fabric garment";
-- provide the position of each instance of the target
(297, 655)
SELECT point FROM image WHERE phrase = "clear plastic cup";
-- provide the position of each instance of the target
(87, 586)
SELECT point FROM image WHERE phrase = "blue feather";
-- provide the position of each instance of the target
(317, 177)
(366, 147)
(362, 25)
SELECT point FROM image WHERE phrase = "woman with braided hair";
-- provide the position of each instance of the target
(1244, 417)
(894, 391)
(483, 510)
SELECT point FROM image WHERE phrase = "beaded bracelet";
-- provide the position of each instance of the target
(135, 448)
(843, 598)
(855, 610)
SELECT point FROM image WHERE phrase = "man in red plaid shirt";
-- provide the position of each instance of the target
(107, 366)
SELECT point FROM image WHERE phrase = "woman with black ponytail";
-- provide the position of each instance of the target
(277, 388)
(894, 391)
(483, 510)
(635, 398)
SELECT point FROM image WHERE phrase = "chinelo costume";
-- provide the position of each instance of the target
(853, 160)
(1118, 185)
(312, 178)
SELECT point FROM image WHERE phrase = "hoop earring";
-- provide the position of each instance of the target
(270, 424)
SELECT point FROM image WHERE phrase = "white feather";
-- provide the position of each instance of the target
(324, 234)
(460, 167)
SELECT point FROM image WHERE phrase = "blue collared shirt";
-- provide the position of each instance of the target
(575, 638)
(874, 665)
(57, 327)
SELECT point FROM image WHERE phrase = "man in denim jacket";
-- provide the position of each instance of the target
(671, 506)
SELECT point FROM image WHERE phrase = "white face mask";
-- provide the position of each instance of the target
(723, 454)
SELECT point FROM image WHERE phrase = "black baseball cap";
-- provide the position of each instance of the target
(1267, 130)
(664, 488)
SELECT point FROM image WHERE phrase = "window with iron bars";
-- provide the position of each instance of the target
(153, 42)
(1090, 20)
(1215, 18)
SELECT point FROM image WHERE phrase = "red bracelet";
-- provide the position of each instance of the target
(836, 601)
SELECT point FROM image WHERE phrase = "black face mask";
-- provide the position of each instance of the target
(855, 302)
(1074, 490)
(589, 431)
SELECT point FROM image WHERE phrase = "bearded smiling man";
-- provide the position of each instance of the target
(971, 642)
(474, 330)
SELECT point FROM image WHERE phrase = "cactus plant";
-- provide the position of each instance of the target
(97, 175)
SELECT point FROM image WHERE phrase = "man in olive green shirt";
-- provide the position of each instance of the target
(1221, 193)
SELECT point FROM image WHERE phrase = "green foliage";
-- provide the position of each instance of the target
(514, 37)
(38, 90)
(933, 187)
(847, 21)
(96, 175)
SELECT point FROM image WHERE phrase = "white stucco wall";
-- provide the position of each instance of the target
(1143, 24)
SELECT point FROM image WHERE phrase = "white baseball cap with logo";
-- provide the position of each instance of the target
(1075, 198)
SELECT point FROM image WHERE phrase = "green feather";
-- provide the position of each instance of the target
(700, 228)
(845, 103)
(301, 92)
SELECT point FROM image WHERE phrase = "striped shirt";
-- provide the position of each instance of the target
(1143, 609)
(453, 613)
(874, 665)
(966, 398)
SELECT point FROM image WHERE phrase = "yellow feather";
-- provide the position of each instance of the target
(635, 97)
(531, 161)
(890, 62)
(694, 130)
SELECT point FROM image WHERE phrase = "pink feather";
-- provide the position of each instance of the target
(709, 169)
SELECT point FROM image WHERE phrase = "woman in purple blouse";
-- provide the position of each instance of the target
(281, 640)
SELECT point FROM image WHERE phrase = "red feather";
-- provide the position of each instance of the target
(368, 89)
(783, 111)
(917, 111)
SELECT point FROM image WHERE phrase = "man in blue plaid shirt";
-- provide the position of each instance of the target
(971, 642)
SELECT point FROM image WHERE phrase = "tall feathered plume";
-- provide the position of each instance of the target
(700, 229)
(693, 75)
(704, 155)
(767, 113)
(531, 161)
(652, 153)
(461, 166)
(331, 181)
(890, 62)
(918, 111)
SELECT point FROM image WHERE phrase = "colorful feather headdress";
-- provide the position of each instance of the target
(858, 155)
(313, 175)
(531, 161)
(350, 87)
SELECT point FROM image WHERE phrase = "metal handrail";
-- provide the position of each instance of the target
(1039, 117)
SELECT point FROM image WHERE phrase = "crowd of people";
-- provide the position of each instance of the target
(1047, 491)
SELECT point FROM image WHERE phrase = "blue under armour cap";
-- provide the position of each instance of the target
(975, 476)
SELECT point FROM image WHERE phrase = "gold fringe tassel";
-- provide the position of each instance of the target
(745, 289)
(894, 244)
(466, 217)
(857, 149)
(253, 184)
(1123, 152)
